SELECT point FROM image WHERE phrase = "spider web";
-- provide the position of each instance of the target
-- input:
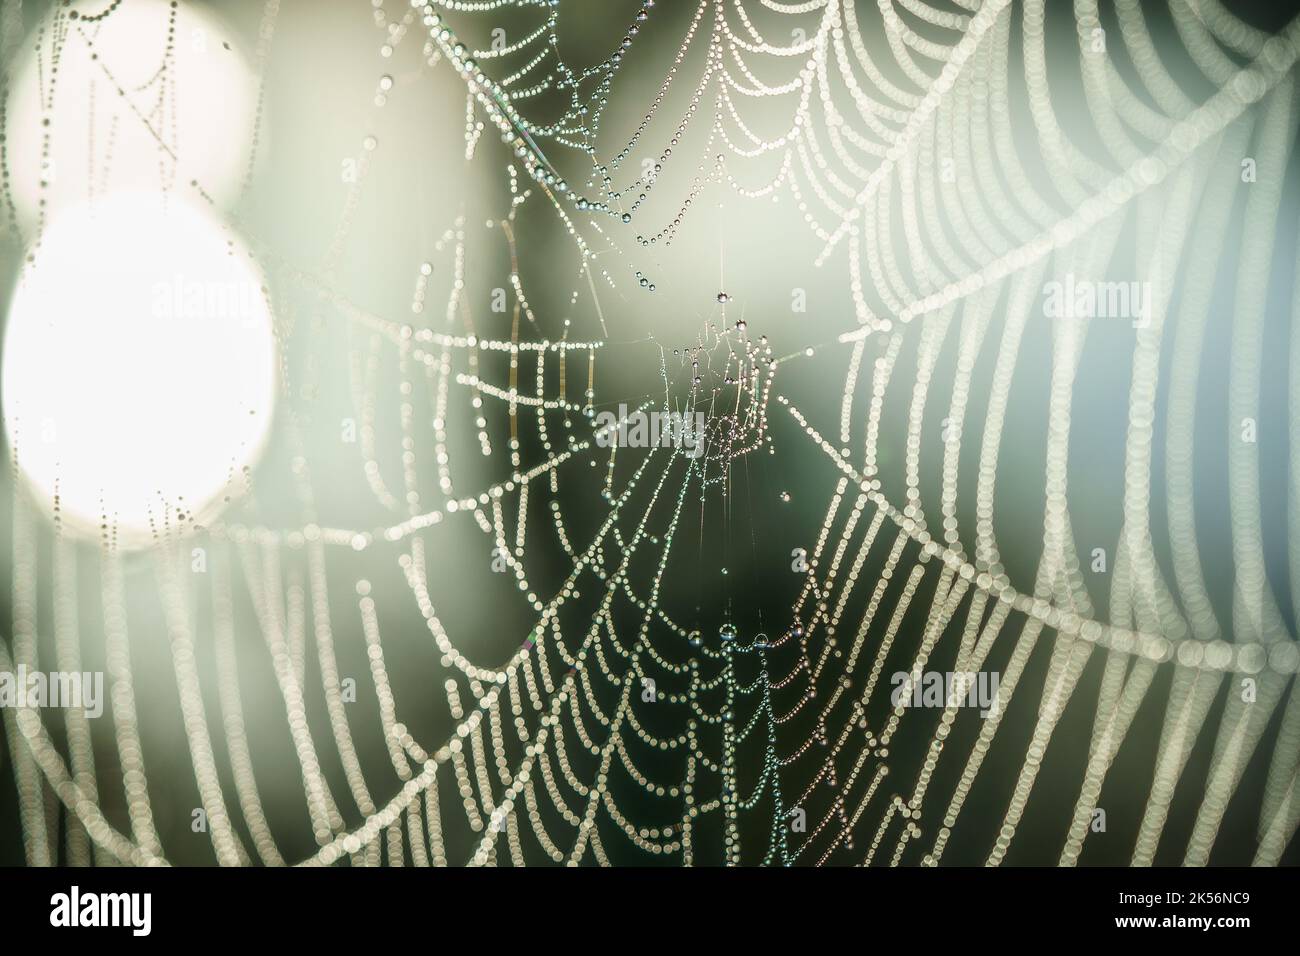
(622, 715)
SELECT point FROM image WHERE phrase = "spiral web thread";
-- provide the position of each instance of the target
(868, 159)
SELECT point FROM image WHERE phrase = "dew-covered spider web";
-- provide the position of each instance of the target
(987, 309)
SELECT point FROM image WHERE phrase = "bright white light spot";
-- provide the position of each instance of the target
(139, 364)
(192, 120)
